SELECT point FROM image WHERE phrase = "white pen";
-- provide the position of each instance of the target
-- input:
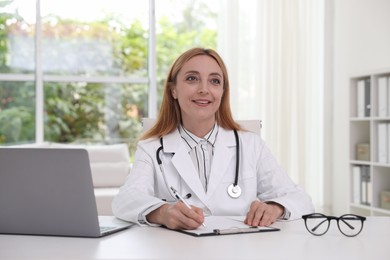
(179, 197)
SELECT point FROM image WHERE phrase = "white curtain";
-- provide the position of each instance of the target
(274, 53)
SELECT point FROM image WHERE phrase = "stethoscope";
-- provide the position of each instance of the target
(233, 190)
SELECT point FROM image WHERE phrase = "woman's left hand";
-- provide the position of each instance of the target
(263, 214)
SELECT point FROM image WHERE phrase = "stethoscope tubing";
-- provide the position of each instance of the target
(234, 190)
(237, 158)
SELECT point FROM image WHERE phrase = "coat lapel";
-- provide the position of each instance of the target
(183, 163)
(224, 153)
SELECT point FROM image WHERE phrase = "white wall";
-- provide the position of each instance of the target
(361, 45)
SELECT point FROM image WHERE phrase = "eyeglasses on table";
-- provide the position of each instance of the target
(349, 225)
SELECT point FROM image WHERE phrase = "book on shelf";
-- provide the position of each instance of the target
(363, 152)
(362, 185)
(385, 199)
(363, 98)
(383, 88)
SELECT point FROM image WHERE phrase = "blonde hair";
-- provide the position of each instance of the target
(169, 117)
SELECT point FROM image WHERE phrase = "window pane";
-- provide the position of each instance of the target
(181, 25)
(95, 37)
(17, 29)
(94, 113)
(17, 112)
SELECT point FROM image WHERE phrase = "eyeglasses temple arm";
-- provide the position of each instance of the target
(346, 223)
(319, 224)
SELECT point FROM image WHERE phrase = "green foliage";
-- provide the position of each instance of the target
(80, 112)
(16, 125)
(134, 50)
(73, 111)
(17, 112)
(3, 41)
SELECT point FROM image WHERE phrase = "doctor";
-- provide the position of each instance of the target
(193, 148)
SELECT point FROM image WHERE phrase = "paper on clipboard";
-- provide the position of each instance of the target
(222, 225)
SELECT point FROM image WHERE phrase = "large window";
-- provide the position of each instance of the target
(87, 71)
(83, 71)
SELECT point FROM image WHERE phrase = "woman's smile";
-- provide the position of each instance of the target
(199, 90)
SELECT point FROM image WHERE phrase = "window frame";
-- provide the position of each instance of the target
(40, 78)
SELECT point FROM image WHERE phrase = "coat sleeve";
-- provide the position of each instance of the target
(136, 197)
(274, 184)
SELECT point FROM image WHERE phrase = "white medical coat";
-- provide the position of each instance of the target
(260, 177)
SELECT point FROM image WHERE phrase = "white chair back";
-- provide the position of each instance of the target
(251, 125)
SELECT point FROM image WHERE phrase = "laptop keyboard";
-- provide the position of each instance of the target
(105, 229)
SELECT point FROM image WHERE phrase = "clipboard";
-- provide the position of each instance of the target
(222, 225)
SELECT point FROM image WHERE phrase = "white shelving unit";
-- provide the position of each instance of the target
(364, 129)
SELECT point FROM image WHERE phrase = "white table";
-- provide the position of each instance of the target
(292, 242)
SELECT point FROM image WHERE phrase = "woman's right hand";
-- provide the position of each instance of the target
(177, 216)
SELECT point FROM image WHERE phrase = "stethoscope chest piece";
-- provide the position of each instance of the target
(234, 191)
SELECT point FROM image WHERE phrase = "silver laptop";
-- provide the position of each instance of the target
(49, 192)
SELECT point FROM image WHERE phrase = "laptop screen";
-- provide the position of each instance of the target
(47, 191)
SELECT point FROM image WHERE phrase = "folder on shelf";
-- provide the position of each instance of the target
(382, 142)
(366, 185)
(361, 185)
(363, 98)
(360, 98)
(382, 97)
(367, 97)
(388, 96)
(363, 194)
(356, 182)
(222, 225)
(388, 142)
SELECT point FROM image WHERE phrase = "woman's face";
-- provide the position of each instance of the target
(199, 90)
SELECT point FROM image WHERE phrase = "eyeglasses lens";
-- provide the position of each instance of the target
(317, 224)
(350, 225)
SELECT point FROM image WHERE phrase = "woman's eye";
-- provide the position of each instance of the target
(215, 81)
(191, 78)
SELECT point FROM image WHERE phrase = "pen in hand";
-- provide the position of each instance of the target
(179, 197)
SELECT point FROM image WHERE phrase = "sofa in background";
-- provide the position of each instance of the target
(110, 165)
